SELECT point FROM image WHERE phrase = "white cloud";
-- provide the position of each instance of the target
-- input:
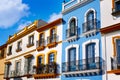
(11, 11)
(54, 16)
(21, 26)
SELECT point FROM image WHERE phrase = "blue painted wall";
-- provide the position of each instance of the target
(80, 13)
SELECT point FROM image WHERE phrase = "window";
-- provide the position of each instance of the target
(72, 30)
(117, 5)
(31, 39)
(90, 53)
(17, 68)
(53, 35)
(10, 50)
(41, 39)
(40, 59)
(51, 57)
(90, 20)
(19, 48)
(90, 23)
(72, 27)
(28, 65)
(7, 70)
(118, 50)
(72, 59)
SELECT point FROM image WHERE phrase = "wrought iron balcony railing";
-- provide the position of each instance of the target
(71, 31)
(48, 68)
(82, 65)
(89, 25)
(40, 42)
(115, 63)
(16, 73)
(52, 39)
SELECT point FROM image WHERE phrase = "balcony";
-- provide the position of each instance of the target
(40, 45)
(15, 74)
(30, 45)
(46, 71)
(18, 49)
(71, 33)
(82, 67)
(115, 65)
(90, 27)
(52, 41)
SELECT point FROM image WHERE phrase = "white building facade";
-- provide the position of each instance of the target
(110, 23)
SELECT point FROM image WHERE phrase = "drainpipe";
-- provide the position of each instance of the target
(105, 57)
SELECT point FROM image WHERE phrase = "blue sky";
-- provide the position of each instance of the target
(16, 14)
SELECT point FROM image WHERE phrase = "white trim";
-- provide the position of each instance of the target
(77, 51)
(96, 41)
(73, 17)
(91, 9)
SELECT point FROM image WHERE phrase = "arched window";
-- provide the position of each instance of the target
(90, 20)
(72, 26)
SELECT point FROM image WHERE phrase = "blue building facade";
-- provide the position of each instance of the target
(81, 50)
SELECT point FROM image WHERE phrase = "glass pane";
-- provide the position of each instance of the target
(90, 20)
(90, 50)
(51, 57)
(40, 59)
(72, 27)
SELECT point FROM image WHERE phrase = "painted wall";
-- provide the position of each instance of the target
(79, 13)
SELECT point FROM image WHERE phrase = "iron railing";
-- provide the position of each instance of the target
(45, 69)
(82, 65)
(15, 73)
(115, 63)
(89, 25)
(71, 31)
(52, 38)
(40, 42)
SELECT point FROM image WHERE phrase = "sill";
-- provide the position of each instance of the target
(43, 76)
(28, 75)
(53, 44)
(82, 73)
(30, 45)
(116, 13)
(40, 48)
(114, 71)
(90, 33)
(18, 50)
(72, 38)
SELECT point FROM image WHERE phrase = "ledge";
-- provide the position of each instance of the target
(40, 48)
(114, 71)
(42, 76)
(53, 44)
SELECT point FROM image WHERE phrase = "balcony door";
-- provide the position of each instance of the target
(52, 33)
(72, 59)
(72, 27)
(118, 50)
(18, 68)
(90, 20)
(90, 55)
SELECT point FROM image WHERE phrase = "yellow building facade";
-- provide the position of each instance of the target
(2, 59)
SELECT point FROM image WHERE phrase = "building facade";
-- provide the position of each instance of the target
(21, 49)
(2, 59)
(81, 50)
(110, 30)
(49, 51)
